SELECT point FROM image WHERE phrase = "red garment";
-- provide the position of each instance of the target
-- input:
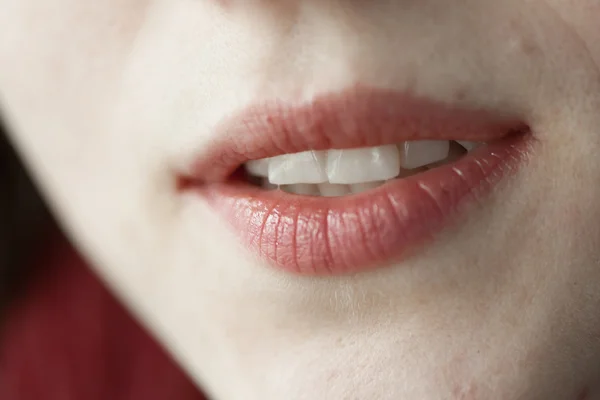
(67, 338)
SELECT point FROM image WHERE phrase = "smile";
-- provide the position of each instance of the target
(352, 180)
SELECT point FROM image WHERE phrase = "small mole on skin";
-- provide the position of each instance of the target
(460, 94)
(529, 48)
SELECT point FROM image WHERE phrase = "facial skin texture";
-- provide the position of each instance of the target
(106, 98)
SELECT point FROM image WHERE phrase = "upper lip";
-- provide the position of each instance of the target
(360, 117)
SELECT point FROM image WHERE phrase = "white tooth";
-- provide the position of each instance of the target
(363, 165)
(305, 167)
(301, 188)
(468, 145)
(265, 184)
(419, 153)
(331, 190)
(258, 167)
(363, 187)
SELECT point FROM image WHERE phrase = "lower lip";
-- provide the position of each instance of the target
(344, 235)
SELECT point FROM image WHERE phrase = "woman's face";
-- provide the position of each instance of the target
(113, 103)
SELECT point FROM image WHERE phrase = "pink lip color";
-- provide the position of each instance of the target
(334, 236)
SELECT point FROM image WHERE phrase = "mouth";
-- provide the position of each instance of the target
(353, 180)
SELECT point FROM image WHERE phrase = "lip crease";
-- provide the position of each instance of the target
(342, 235)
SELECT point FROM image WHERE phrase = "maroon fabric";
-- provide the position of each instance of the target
(67, 338)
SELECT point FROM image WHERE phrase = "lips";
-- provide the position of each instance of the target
(341, 235)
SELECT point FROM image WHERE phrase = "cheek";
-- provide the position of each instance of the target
(59, 69)
(67, 30)
(589, 17)
(582, 16)
(56, 56)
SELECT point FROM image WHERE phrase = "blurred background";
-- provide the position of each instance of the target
(23, 217)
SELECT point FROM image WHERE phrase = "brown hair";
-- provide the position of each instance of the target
(23, 216)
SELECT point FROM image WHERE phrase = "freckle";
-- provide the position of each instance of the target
(460, 94)
(529, 48)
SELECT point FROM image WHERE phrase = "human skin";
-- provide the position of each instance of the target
(105, 98)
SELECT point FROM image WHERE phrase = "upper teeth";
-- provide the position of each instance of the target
(419, 154)
(362, 165)
(467, 145)
(349, 167)
(258, 167)
(305, 167)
